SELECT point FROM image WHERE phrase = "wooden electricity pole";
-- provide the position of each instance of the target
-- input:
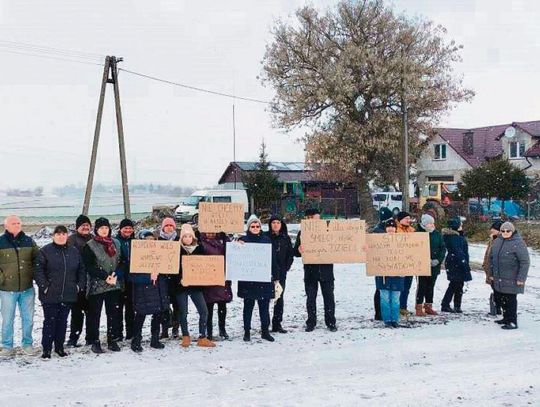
(110, 75)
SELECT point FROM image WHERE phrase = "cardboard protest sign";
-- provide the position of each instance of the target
(334, 241)
(249, 262)
(203, 270)
(149, 256)
(398, 254)
(221, 217)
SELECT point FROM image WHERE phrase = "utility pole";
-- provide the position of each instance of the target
(405, 157)
(110, 75)
(234, 144)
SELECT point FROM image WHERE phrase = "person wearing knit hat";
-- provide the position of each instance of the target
(404, 226)
(458, 270)
(510, 263)
(146, 234)
(190, 247)
(426, 284)
(125, 236)
(495, 307)
(101, 257)
(81, 220)
(168, 222)
(315, 275)
(253, 291)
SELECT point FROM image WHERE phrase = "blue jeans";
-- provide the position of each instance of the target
(8, 304)
(390, 305)
(405, 293)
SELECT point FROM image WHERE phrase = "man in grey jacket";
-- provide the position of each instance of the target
(509, 268)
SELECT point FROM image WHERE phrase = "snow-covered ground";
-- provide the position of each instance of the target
(447, 360)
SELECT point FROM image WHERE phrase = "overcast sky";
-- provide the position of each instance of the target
(183, 137)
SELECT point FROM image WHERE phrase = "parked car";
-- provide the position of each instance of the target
(391, 200)
(188, 210)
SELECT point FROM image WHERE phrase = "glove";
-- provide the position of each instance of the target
(278, 290)
(434, 263)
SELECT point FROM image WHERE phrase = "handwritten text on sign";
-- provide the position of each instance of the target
(148, 256)
(335, 241)
(249, 262)
(398, 254)
(203, 270)
(221, 217)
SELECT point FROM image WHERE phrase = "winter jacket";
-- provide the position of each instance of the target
(171, 279)
(486, 264)
(314, 272)
(79, 241)
(59, 273)
(122, 272)
(99, 265)
(390, 283)
(379, 228)
(253, 289)
(150, 298)
(509, 264)
(404, 229)
(436, 248)
(216, 247)
(177, 279)
(457, 260)
(17, 255)
(282, 248)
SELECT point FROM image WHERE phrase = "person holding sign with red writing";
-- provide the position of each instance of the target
(252, 291)
(190, 247)
(315, 274)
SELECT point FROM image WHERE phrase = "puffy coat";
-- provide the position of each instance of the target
(457, 260)
(17, 255)
(149, 298)
(509, 264)
(282, 248)
(437, 249)
(59, 273)
(99, 265)
(253, 289)
(390, 283)
(171, 279)
(216, 247)
(314, 272)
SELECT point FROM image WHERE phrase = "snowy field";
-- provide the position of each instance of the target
(439, 361)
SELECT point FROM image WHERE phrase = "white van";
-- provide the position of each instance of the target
(391, 200)
(188, 210)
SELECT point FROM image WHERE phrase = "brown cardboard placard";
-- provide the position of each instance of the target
(148, 256)
(217, 217)
(334, 241)
(203, 270)
(398, 254)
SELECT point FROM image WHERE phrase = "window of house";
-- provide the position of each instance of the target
(440, 151)
(517, 149)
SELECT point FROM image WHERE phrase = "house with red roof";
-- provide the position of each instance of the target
(452, 151)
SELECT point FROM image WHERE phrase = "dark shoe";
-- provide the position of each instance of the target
(223, 334)
(395, 325)
(500, 321)
(310, 328)
(447, 308)
(61, 353)
(332, 328)
(113, 346)
(96, 348)
(175, 334)
(155, 343)
(247, 335)
(266, 336)
(46, 355)
(279, 329)
(72, 343)
(458, 310)
(136, 345)
(510, 325)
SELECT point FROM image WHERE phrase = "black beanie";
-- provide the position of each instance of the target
(402, 215)
(81, 220)
(312, 212)
(454, 223)
(126, 222)
(497, 225)
(60, 229)
(384, 214)
(101, 222)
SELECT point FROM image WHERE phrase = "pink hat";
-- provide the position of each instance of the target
(186, 229)
(168, 222)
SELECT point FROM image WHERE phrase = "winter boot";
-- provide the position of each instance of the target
(223, 334)
(420, 310)
(46, 354)
(186, 341)
(136, 344)
(247, 335)
(510, 325)
(279, 329)
(266, 335)
(60, 352)
(204, 342)
(429, 309)
(457, 303)
(447, 308)
(72, 343)
(113, 346)
(404, 312)
(154, 341)
(96, 348)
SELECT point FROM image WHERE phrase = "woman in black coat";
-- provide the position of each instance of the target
(458, 270)
(60, 275)
(252, 291)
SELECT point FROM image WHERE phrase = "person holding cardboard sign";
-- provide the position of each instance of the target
(169, 319)
(190, 246)
(252, 291)
(315, 275)
(404, 226)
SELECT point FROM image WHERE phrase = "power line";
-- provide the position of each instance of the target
(50, 57)
(47, 49)
(195, 88)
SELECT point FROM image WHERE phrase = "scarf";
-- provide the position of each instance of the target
(189, 249)
(167, 236)
(108, 244)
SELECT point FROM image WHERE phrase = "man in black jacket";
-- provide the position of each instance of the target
(284, 255)
(125, 236)
(78, 240)
(315, 275)
(59, 274)
(385, 214)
